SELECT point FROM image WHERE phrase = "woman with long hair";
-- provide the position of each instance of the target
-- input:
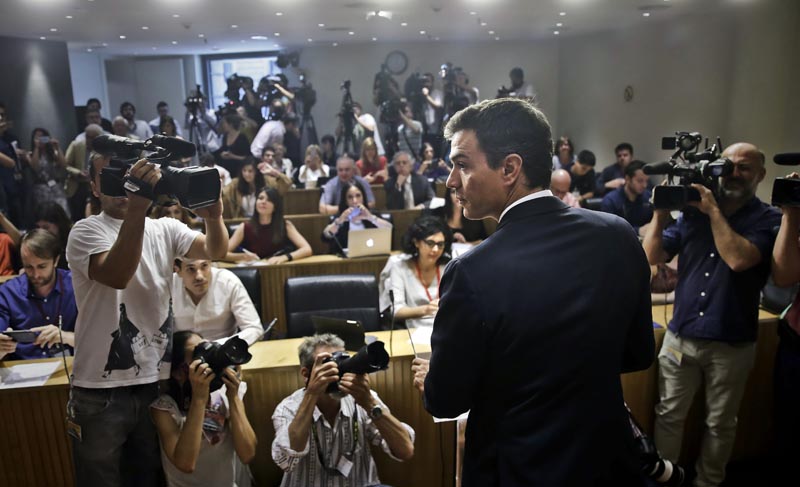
(415, 277)
(267, 235)
(353, 215)
(371, 166)
(564, 155)
(47, 171)
(431, 168)
(234, 148)
(239, 196)
(166, 126)
(201, 431)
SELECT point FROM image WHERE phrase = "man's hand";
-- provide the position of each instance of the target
(420, 368)
(210, 212)
(268, 170)
(147, 172)
(357, 385)
(322, 374)
(48, 336)
(7, 345)
(425, 91)
(615, 183)
(401, 180)
(707, 203)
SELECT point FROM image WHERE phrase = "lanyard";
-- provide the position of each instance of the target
(38, 302)
(438, 279)
(331, 470)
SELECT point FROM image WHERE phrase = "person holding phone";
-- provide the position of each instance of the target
(41, 301)
(353, 215)
(48, 172)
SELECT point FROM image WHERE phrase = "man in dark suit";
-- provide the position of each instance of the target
(529, 336)
(407, 189)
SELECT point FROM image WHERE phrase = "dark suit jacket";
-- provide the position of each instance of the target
(420, 187)
(534, 327)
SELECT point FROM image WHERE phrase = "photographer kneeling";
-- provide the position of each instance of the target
(324, 436)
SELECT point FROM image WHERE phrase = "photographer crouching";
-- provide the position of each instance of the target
(724, 242)
(122, 269)
(323, 438)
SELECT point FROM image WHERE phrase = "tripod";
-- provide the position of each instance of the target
(196, 136)
(308, 130)
(346, 139)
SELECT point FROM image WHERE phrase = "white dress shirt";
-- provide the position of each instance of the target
(224, 310)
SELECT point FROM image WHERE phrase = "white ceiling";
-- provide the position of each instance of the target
(157, 27)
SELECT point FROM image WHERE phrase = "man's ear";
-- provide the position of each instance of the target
(512, 169)
(305, 373)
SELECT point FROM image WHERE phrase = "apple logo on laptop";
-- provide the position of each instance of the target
(370, 243)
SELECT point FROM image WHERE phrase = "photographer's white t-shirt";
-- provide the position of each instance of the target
(123, 336)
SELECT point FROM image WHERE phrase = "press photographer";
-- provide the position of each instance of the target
(199, 122)
(724, 245)
(325, 436)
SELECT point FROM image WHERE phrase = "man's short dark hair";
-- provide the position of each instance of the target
(125, 105)
(328, 138)
(94, 100)
(510, 126)
(634, 166)
(161, 104)
(623, 146)
(42, 244)
(587, 158)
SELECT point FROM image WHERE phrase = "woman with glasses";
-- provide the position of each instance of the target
(415, 277)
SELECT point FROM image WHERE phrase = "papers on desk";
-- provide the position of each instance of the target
(459, 249)
(27, 375)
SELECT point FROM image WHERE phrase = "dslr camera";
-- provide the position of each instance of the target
(220, 356)
(195, 187)
(371, 358)
(786, 191)
(687, 166)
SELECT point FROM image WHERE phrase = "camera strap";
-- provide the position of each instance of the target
(355, 429)
(138, 187)
(405, 136)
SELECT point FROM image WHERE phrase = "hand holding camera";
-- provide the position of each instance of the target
(232, 377)
(143, 177)
(357, 385)
(324, 373)
(200, 376)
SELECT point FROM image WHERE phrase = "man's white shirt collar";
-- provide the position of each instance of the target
(532, 196)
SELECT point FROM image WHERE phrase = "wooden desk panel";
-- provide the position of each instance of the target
(380, 196)
(301, 201)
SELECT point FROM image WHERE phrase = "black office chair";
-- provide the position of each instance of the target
(252, 283)
(347, 296)
(593, 204)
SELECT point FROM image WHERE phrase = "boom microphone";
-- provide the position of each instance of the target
(178, 148)
(787, 159)
(114, 144)
(654, 168)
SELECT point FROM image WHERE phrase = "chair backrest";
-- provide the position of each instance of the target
(349, 296)
(252, 283)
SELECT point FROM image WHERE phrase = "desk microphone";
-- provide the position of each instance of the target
(391, 323)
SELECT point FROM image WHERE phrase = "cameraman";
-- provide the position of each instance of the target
(325, 437)
(271, 132)
(250, 100)
(365, 126)
(199, 122)
(724, 244)
(121, 265)
(409, 132)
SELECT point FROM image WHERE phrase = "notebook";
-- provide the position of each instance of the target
(368, 242)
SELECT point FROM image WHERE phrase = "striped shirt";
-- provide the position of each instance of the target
(303, 468)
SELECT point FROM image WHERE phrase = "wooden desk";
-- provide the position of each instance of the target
(273, 279)
(301, 201)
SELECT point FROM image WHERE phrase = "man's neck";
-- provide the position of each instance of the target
(520, 191)
(329, 407)
(630, 194)
(729, 206)
(195, 297)
(44, 291)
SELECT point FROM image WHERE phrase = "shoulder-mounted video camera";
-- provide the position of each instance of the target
(195, 187)
(786, 191)
(687, 166)
(371, 358)
(220, 356)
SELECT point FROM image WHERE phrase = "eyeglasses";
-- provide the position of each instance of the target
(434, 244)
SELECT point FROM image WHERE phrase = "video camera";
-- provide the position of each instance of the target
(195, 187)
(305, 95)
(267, 91)
(194, 101)
(786, 191)
(371, 358)
(220, 356)
(690, 167)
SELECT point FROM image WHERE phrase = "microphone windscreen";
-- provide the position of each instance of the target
(175, 146)
(787, 159)
(114, 144)
(657, 168)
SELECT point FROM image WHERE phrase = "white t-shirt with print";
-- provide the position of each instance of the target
(113, 348)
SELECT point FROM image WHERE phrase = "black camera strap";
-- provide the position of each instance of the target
(355, 429)
(138, 187)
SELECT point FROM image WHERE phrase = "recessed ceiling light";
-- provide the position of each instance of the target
(403, 24)
(562, 13)
(259, 38)
(646, 14)
(555, 32)
(320, 25)
(175, 16)
(53, 29)
(483, 24)
(276, 46)
(43, 38)
(68, 17)
(278, 13)
(491, 32)
(559, 24)
(89, 49)
(144, 27)
(234, 26)
(277, 34)
(436, 39)
(123, 37)
(105, 44)
(497, 38)
(335, 44)
(310, 39)
(174, 42)
(473, 13)
(374, 39)
(351, 33)
(201, 35)
(422, 32)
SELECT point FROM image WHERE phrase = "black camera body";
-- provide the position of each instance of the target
(390, 111)
(194, 102)
(220, 356)
(371, 358)
(786, 191)
(195, 187)
(688, 166)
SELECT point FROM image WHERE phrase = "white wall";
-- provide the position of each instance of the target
(144, 81)
(88, 79)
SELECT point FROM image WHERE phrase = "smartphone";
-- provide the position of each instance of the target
(21, 336)
(354, 214)
(44, 139)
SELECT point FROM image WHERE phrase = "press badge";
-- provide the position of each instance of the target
(675, 356)
(344, 466)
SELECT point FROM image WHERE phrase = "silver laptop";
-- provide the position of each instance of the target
(368, 242)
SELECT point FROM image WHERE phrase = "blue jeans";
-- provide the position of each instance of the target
(114, 441)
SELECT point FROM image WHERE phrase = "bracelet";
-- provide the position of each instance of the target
(289, 256)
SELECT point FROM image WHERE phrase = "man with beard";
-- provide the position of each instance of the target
(724, 245)
(138, 128)
(40, 300)
(324, 438)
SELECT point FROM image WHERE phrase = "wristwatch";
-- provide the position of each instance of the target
(376, 412)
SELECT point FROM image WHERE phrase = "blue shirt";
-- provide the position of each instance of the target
(333, 190)
(637, 212)
(712, 301)
(22, 309)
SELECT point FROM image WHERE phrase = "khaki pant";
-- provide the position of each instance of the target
(685, 365)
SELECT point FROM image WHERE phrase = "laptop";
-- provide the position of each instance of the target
(350, 331)
(368, 242)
